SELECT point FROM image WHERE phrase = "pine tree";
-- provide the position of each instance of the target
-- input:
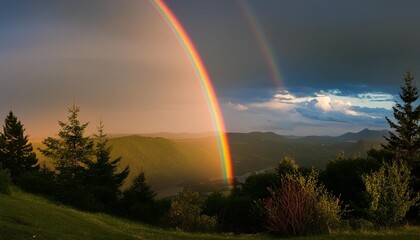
(16, 153)
(102, 176)
(404, 141)
(71, 150)
(139, 191)
(138, 201)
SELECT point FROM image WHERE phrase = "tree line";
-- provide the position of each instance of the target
(379, 190)
(84, 174)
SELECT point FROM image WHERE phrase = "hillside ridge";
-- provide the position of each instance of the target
(174, 163)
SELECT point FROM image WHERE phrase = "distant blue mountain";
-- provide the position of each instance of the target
(365, 135)
(261, 150)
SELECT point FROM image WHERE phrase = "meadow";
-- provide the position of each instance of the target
(26, 216)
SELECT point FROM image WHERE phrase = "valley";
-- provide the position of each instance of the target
(171, 164)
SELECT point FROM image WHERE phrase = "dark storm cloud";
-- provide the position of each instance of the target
(379, 112)
(358, 45)
(225, 43)
(351, 51)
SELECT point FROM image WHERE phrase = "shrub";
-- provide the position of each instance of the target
(69, 188)
(287, 165)
(162, 207)
(361, 225)
(185, 213)
(216, 205)
(41, 182)
(343, 177)
(142, 211)
(256, 185)
(240, 213)
(389, 192)
(5, 181)
(299, 206)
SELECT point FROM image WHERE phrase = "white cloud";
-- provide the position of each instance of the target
(285, 100)
(237, 106)
(327, 105)
(284, 96)
(334, 91)
(378, 97)
(353, 113)
(323, 102)
(275, 105)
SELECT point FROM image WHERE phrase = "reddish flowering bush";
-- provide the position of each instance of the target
(299, 206)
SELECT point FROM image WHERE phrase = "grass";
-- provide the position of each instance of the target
(26, 216)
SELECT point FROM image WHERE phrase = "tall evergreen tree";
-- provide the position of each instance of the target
(71, 150)
(102, 175)
(139, 191)
(138, 201)
(404, 141)
(16, 153)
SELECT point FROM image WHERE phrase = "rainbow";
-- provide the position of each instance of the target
(262, 42)
(206, 86)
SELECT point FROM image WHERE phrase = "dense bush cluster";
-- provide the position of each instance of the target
(5, 181)
(186, 213)
(389, 193)
(343, 177)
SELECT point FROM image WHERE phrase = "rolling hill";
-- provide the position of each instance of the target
(173, 163)
(166, 163)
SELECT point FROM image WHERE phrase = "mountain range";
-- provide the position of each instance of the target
(257, 151)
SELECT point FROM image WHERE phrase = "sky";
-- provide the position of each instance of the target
(292, 67)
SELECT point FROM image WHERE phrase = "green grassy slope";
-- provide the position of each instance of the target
(25, 216)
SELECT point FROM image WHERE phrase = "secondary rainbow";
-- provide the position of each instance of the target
(262, 42)
(206, 86)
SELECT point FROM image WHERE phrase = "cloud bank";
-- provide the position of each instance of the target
(285, 112)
